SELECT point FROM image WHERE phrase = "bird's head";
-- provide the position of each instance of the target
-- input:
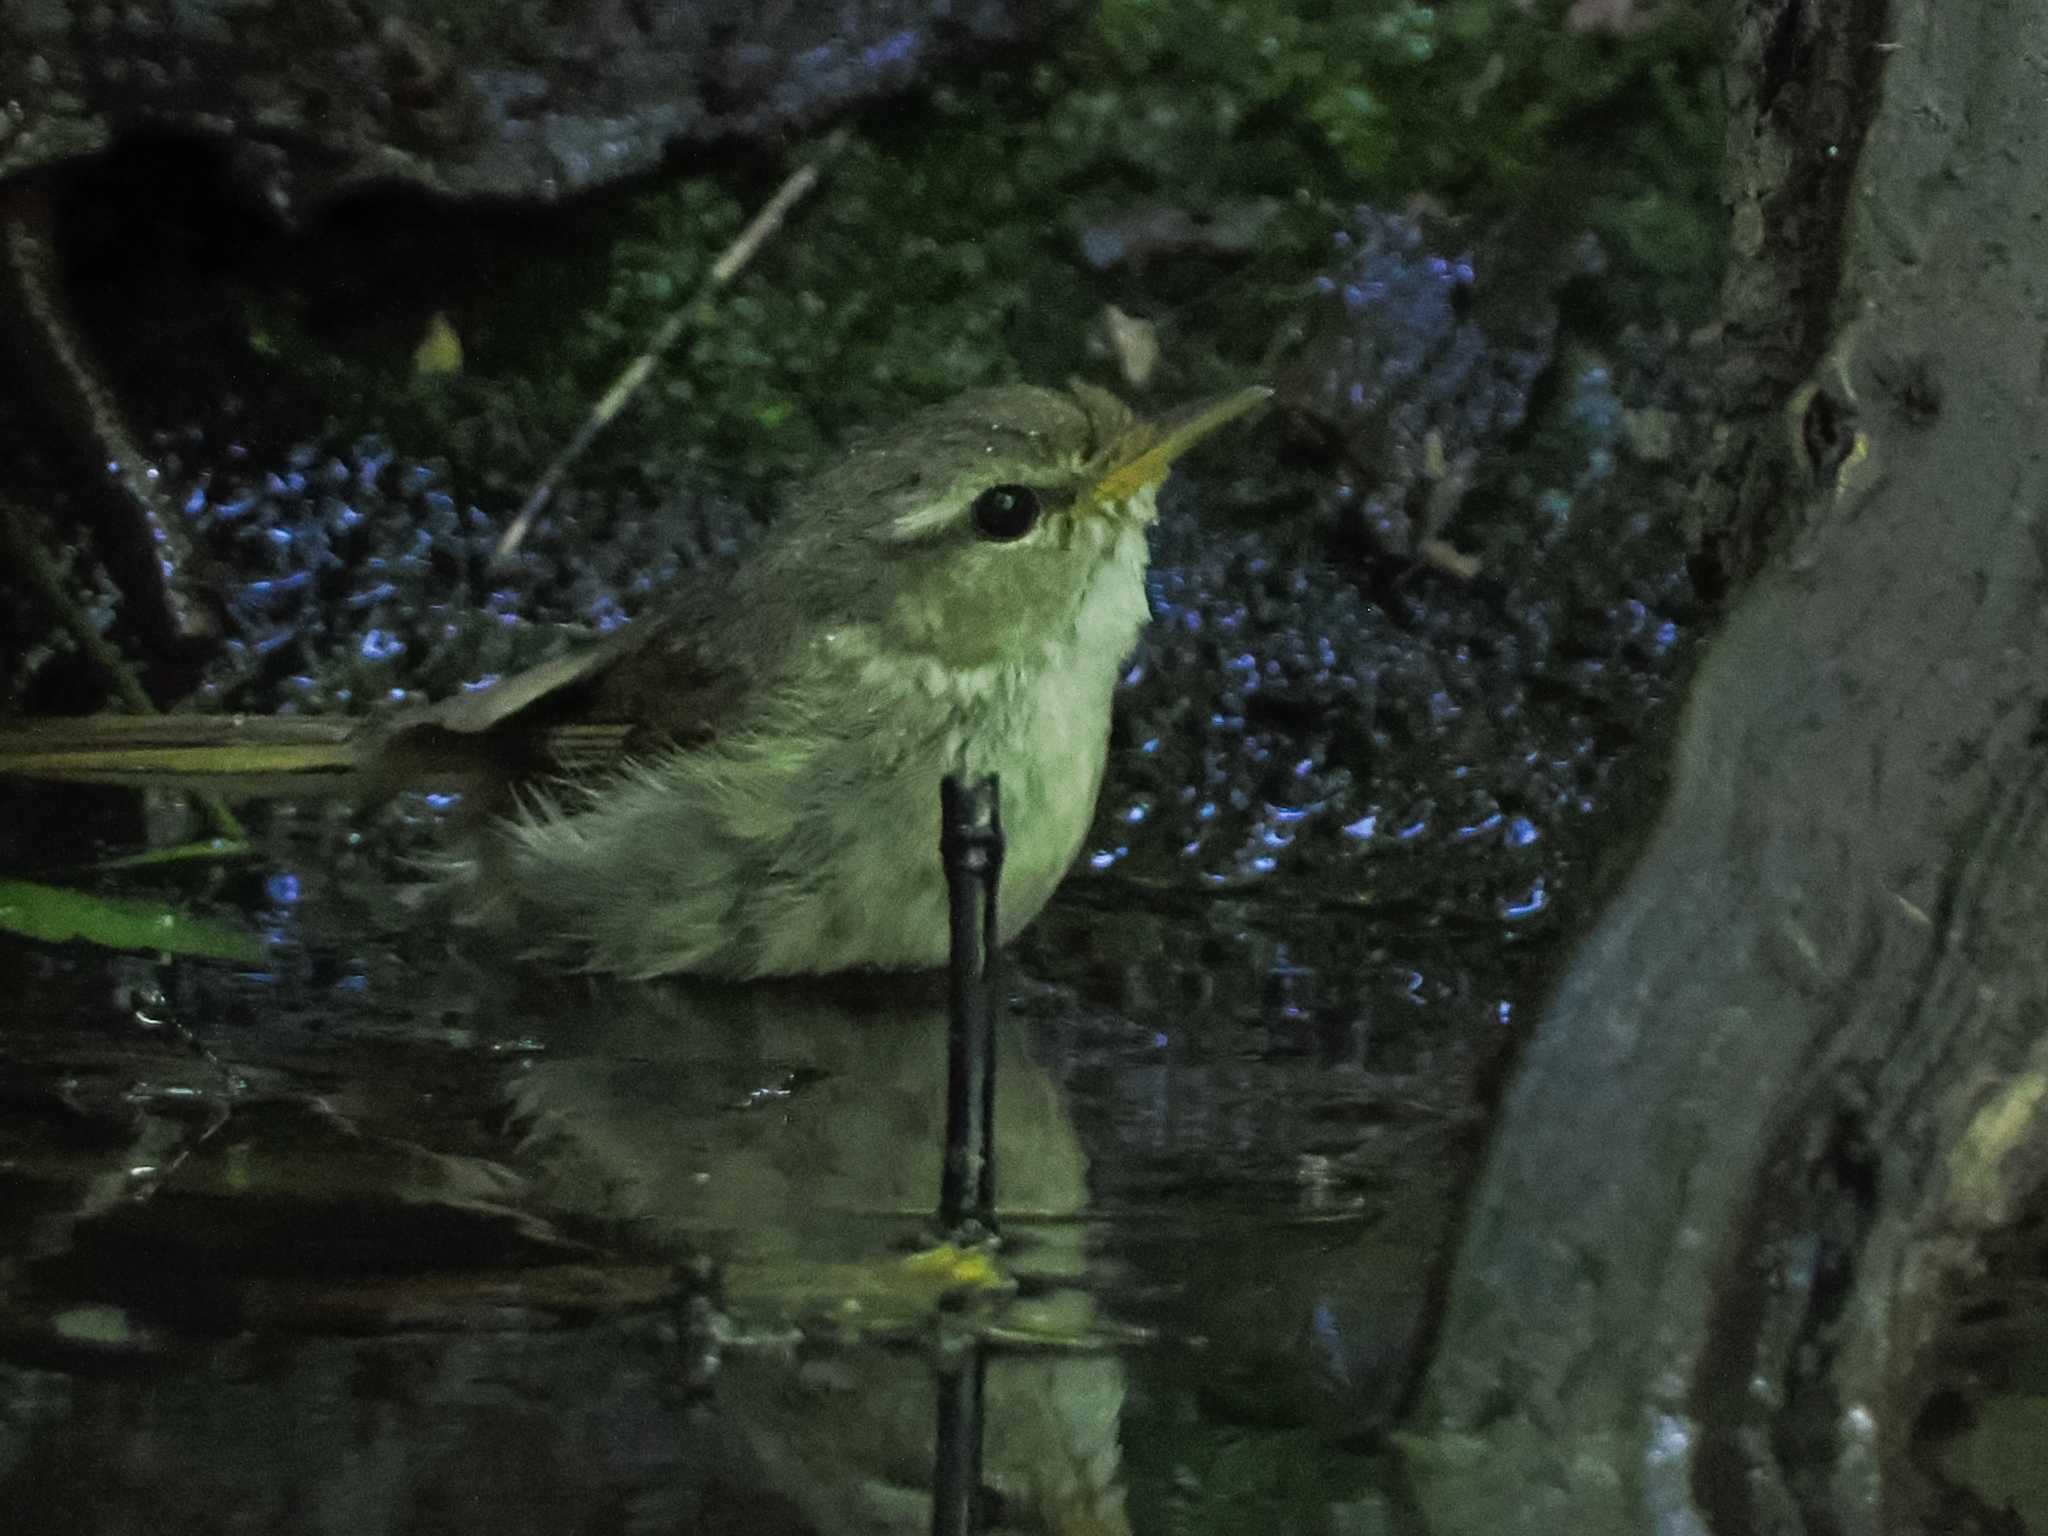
(972, 532)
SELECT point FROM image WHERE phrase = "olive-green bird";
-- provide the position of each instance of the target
(747, 784)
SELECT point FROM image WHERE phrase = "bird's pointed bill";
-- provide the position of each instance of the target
(1147, 452)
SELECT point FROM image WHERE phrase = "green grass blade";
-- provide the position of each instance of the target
(55, 915)
(207, 850)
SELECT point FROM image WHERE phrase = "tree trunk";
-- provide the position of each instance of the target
(1797, 1082)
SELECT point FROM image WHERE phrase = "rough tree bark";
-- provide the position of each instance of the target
(1797, 1081)
(490, 98)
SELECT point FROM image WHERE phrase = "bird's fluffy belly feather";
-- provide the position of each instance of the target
(783, 851)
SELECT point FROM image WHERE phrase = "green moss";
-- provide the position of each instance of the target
(944, 250)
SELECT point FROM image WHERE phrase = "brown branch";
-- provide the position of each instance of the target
(162, 558)
(25, 552)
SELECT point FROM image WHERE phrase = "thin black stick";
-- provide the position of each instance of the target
(971, 843)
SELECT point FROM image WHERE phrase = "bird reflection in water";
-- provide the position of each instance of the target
(779, 1131)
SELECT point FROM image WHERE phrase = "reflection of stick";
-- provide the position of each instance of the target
(961, 1366)
(724, 270)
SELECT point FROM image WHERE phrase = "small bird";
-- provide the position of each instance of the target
(746, 784)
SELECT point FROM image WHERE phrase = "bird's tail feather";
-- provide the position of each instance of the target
(261, 755)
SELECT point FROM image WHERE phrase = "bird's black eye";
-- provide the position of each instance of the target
(1005, 512)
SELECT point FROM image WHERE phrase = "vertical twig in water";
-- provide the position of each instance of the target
(991, 1009)
(971, 843)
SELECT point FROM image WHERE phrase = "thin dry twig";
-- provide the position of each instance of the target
(172, 569)
(27, 554)
(629, 382)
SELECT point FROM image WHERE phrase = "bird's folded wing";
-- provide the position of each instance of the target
(488, 709)
(678, 679)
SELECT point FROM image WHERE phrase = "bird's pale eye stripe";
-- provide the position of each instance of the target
(952, 509)
(929, 514)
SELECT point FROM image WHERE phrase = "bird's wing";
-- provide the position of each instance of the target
(680, 678)
(675, 679)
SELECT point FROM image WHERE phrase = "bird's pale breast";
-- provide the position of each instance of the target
(808, 841)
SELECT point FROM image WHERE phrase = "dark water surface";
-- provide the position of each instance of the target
(392, 1234)
(391, 1238)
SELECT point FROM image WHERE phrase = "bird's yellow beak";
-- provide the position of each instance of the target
(1146, 452)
